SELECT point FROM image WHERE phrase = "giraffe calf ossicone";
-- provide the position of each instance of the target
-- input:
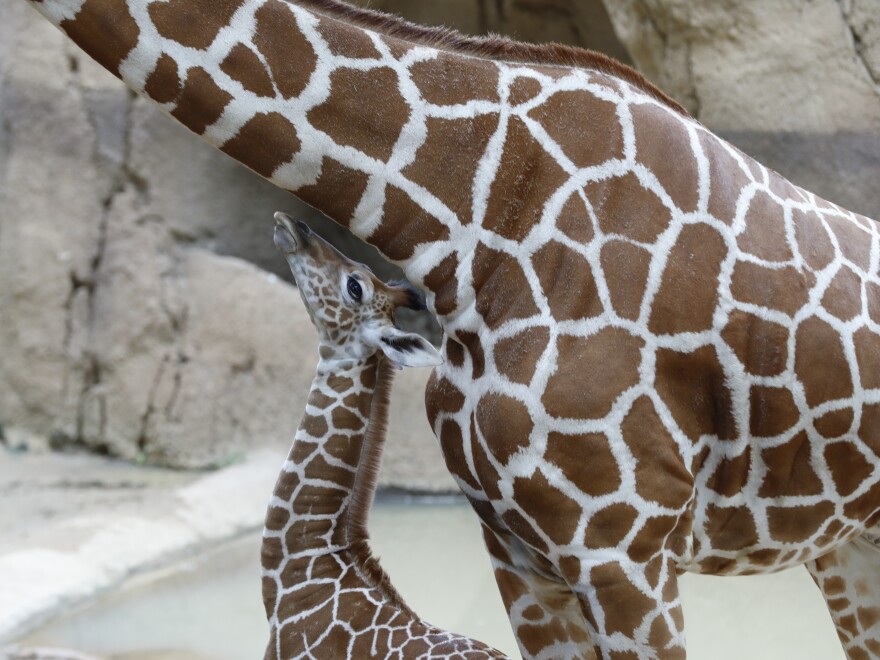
(324, 593)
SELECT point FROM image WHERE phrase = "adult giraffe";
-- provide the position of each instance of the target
(661, 356)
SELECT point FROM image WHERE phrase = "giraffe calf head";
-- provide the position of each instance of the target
(350, 307)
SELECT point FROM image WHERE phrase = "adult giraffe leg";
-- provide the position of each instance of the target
(633, 609)
(544, 613)
(849, 578)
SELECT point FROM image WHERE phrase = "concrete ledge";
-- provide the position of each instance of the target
(72, 555)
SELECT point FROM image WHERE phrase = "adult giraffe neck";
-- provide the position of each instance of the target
(326, 109)
(322, 498)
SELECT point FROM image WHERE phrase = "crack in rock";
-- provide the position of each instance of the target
(858, 33)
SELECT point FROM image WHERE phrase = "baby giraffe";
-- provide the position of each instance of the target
(324, 593)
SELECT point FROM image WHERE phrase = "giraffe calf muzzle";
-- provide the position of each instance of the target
(289, 235)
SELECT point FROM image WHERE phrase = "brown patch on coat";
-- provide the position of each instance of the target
(523, 89)
(487, 476)
(790, 470)
(624, 206)
(796, 524)
(306, 535)
(692, 386)
(726, 178)
(243, 65)
(314, 426)
(337, 192)
(625, 267)
(772, 411)
(163, 83)
(441, 396)
(516, 357)
(867, 345)
(567, 282)
(574, 221)
(452, 447)
(265, 142)
(342, 115)
(661, 474)
(105, 30)
(730, 528)
(835, 423)
(765, 235)
(192, 23)
(552, 510)
(586, 128)
(813, 242)
(585, 460)
(536, 637)
(624, 606)
(454, 147)
(201, 101)
(591, 372)
(276, 518)
(505, 424)
(661, 139)
(523, 529)
(343, 418)
(405, 224)
(783, 289)
(820, 363)
(873, 291)
(732, 474)
(843, 297)
(495, 276)
(444, 284)
(689, 291)
(471, 341)
(652, 538)
(449, 80)
(318, 468)
(277, 36)
(855, 242)
(761, 346)
(344, 41)
(849, 467)
(526, 179)
(609, 526)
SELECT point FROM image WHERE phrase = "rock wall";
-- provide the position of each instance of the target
(127, 328)
(129, 320)
(795, 84)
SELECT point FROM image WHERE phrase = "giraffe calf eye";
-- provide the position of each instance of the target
(354, 289)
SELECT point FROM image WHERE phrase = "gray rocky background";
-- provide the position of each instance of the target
(144, 312)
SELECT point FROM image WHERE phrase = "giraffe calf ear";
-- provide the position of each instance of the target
(408, 349)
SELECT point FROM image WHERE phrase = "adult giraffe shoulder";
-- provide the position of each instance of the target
(325, 595)
(661, 356)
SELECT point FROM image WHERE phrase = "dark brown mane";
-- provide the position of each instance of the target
(364, 488)
(492, 47)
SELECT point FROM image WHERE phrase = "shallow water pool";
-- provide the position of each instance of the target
(209, 607)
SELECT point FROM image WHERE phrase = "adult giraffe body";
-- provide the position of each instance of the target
(661, 356)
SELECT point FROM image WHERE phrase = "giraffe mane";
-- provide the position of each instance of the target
(364, 488)
(492, 47)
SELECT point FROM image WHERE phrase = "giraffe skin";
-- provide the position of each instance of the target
(325, 595)
(660, 355)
